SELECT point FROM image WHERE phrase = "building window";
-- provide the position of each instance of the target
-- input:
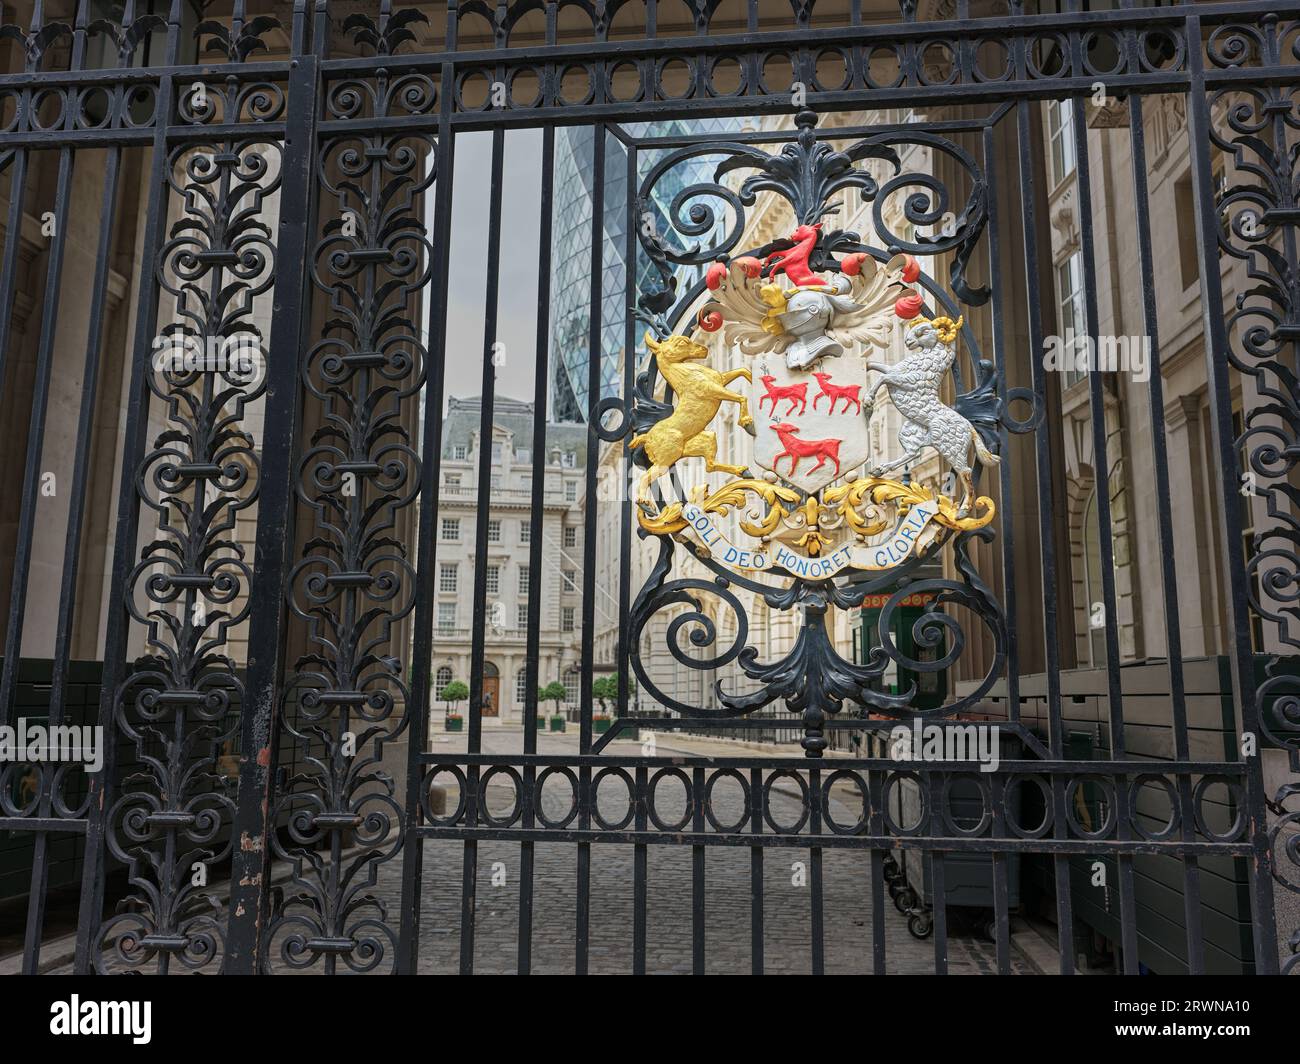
(497, 450)
(524, 579)
(453, 481)
(523, 456)
(569, 459)
(459, 452)
(570, 580)
(1060, 128)
(441, 679)
(521, 616)
(448, 577)
(494, 531)
(446, 616)
(451, 529)
(496, 481)
(566, 618)
(571, 491)
(525, 532)
(521, 687)
(571, 536)
(572, 686)
(1071, 321)
(494, 579)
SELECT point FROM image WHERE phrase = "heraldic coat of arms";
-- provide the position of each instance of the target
(817, 330)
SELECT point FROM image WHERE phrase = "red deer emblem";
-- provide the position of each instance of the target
(835, 392)
(796, 393)
(795, 449)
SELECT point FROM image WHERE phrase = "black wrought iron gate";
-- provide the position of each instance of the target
(275, 551)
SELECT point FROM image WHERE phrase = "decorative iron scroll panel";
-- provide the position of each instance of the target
(299, 192)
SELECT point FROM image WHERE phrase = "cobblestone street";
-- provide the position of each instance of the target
(847, 894)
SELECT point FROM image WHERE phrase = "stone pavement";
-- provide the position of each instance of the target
(847, 896)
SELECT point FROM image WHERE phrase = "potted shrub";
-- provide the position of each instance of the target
(455, 692)
(605, 690)
(553, 692)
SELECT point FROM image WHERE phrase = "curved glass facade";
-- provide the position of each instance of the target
(571, 258)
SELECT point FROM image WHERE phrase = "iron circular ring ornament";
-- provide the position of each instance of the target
(539, 806)
(894, 779)
(608, 405)
(1019, 426)
(517, 807)
(454, 817)
(651, 793)
(726, 773)
(1135, 789)
(1237, 796)
(1045, 791)
(946, 800)
(1074, 793)
(798, 825)
(614, 772)
(857, 781)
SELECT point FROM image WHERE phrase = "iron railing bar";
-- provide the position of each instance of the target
(876, 826)
(640, 872)
(934, 813)
(135, 433)
(1165, 530)
(595, 357)
(1001, 892)
(1217, 349)
(1046, 528)
(756, 894)
(76, 505)
(699, 912)
(816, 915)
(487, 399)
(1105, 527)
(427, 538)
(1006, 493)
(631, 252)
(268, 618)
(541, 382)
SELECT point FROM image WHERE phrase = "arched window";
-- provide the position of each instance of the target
(441, 679)
(521, 687)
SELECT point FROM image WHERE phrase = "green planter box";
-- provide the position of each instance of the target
(557, 724)
(541, 724)
(601, 724)
(455, 723)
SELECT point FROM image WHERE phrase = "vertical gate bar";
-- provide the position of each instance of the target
(268, 620)
(1006, 527)
(487, 400)
(639, 871)
(632, 248)
(1105, 532)
(1165, 531)
(27, 518)
(756, 899)
(699, 913)
(1001, 894)
(1046, 534)
(595, 356)
(408, 952)
(541, 380)
(938, 889)
(816, 910)
(1225, 450)
(876, 825)
(127, 520)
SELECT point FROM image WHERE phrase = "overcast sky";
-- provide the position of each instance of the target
(466, 296)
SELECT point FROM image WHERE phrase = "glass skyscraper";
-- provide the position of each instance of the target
(571, 258)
